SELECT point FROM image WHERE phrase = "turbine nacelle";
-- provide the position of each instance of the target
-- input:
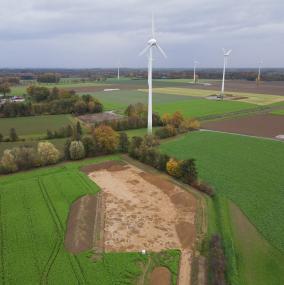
(152, 42)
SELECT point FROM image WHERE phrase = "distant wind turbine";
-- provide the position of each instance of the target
(152, 43)
(226, 55)
(194, 68)
(259, 72)
(118, 70)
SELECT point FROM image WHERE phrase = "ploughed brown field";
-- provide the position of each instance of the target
(136, 211)
(265, 87)
(264, 125)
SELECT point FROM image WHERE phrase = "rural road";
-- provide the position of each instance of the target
(185, 268)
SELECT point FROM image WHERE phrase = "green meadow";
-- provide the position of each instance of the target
(248, 172)
(34, 210)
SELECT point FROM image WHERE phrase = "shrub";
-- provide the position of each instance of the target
(25, 157)
(134, 146)
(89, 145)
(106, 139)
(189, 125)
(166, 132)
(66, 149)
(8, 162)
(13, 135)
(123, 142)
(162, 162)
(150, 140)
(1, 137)
(188, 171)
(80, 107)
(48, 153)
(177, 119)
(76, 150)
(204, 187)
(174, 168)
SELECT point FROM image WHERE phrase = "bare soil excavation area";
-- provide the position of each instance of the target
(142, 211)
(264, 125)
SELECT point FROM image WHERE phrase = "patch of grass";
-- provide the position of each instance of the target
(34, 125)
(278, 112)
(202, 107)
(33, 232)
(139, 132)
(258, 99)
(248, 171)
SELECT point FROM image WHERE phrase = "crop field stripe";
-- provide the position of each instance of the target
(60, 232)
(2, 244)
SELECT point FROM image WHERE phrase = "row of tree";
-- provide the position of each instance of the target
(42, 100)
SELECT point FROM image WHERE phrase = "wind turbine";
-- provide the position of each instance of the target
(118, 71)
(259, 72)
(194, 68)
(151, 44)
(226, 55)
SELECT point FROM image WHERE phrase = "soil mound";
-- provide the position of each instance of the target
(160, 276)
(80, 226)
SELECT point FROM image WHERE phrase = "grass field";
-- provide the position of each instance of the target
(34, 209)
(168, 103)
(258, 99)
(249, 172)
(34, 125)
(278, 112)
(139, 132)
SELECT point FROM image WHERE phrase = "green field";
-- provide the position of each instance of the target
(34, 125)
(168, 103)
(34, 209)
(278, 112)
(249, 172)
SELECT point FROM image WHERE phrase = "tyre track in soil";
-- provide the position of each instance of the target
(55, 251)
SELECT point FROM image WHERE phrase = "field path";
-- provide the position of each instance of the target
(184, 268)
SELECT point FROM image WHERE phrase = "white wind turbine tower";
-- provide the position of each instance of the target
(152, 43)
(226, 55)
(259, 70)
(194, 69)
(118, 69)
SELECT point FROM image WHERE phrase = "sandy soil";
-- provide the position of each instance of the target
(160, 276)
(144, 211)
(264, 125)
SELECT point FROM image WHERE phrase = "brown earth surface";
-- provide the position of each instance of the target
(265, 87)
(111, 165)
(80, 225)
(145, 211)
(160, 276)
(99, 117)
(264, 125)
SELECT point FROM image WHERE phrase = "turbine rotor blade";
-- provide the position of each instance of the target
(153, 26)
(144, 50)
(161, 51)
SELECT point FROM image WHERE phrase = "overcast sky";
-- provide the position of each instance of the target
(96, 33)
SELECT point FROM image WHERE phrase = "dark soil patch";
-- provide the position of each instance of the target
(269, 88)
(163, 184)
(160, 276)
(80, 226)
(100, 117)
(184, 199)
(112, 165)
(186, 234)
(264, 125)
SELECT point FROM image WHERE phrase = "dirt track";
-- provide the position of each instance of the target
(264, 125)
(144, 211)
